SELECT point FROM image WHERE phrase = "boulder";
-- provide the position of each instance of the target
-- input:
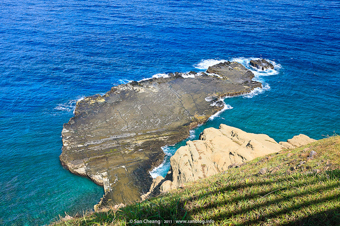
(297, 141)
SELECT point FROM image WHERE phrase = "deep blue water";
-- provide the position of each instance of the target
(55, 52)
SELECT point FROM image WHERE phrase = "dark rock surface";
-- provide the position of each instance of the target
(261, 64)
(116, 139)
(232, 71)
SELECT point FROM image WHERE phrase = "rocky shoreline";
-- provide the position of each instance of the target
(116, 139)
(216, 151)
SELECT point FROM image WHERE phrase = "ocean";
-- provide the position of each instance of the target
(53, 53)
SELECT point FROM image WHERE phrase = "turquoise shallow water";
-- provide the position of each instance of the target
(53, 53)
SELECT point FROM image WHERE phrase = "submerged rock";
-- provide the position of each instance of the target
(116, 139)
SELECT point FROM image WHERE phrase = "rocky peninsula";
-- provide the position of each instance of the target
(116, 139)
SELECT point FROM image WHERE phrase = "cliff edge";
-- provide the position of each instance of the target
(216, 151)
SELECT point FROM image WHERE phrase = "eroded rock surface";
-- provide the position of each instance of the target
(215, 152)
(116, 139)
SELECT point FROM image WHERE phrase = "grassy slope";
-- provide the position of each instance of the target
(286, 194)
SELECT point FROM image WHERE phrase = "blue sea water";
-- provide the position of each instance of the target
(55, 52)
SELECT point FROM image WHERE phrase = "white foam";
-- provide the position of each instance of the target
(210, 98)
(144, 79)
(69, 105)
(124, 81)
(242, 60)
(161, 75)
(191, 75)
(226, 107)
(157, 171)
(268, 72)
(259, 74)
(167, 150)
(214, 103)
(205, 64)
(213, 74)
(257, 91)
(192, 134)
(188, 75)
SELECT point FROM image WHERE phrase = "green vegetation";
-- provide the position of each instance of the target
(292, 190)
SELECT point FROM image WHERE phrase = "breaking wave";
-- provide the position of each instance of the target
(123, 81)
(205, 64)
(163, 168)
(69, 105)
(226, 107)
(160, 75)
(257, 91)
